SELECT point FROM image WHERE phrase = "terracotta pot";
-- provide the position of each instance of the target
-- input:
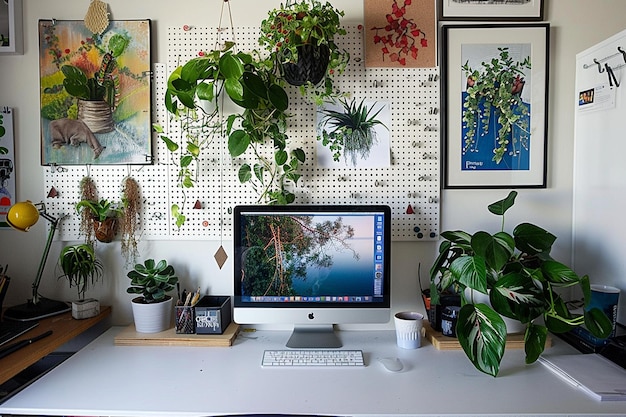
(105, 231)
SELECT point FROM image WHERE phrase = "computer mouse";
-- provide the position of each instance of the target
(391, 364)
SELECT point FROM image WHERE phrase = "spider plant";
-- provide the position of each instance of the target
(349, 130)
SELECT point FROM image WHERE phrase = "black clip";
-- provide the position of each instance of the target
(611, 74)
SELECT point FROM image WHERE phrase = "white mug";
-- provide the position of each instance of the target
(409, 329)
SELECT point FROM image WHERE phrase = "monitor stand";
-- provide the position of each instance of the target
(314, 337)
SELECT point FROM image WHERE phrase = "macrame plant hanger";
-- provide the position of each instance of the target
(221, 256)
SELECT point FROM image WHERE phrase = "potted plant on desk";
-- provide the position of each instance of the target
(521, 279)
(152, 311)
(81, 268)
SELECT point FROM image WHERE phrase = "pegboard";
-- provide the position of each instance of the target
(410, 185)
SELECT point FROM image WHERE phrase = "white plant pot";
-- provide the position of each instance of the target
(512, 326)
(152, 318)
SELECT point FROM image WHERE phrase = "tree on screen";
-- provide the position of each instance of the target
(280, 248)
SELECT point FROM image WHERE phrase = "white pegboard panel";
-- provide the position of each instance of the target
(412, 180)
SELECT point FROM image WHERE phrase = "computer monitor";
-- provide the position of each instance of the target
(312, 267)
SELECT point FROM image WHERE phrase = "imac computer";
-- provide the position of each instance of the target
(312, 267)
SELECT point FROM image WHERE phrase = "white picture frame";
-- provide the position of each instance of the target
(11, 36)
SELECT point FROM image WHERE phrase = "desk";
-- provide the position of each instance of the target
(64, 328)
(192, 381)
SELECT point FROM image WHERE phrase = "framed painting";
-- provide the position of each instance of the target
(95, 93)
(511, 10)
(495, 89)
(400, 33)
(11, 37)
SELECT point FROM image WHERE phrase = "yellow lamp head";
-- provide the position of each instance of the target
(23, 215)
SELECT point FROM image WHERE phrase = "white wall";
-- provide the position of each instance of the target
(576, 25)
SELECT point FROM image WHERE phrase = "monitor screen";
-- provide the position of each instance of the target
(313, 267)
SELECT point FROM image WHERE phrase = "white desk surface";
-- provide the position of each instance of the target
(107, 380)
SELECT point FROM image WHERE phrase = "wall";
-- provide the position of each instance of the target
(576, 25)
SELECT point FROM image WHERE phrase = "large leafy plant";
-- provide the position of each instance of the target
(522, 280)
(193, 98)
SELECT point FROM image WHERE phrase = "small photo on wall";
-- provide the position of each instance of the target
(354, 133)
(95, 93)
(7, 167)
(400, 33)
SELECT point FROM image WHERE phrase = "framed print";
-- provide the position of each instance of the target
(495, 88)
(95, 93)
(512, 10)
(11, 36)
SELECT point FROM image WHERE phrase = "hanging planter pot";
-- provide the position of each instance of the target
(106, 230)
(311, 66)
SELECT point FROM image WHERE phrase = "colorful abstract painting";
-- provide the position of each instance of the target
(400, 33)
(95, 93)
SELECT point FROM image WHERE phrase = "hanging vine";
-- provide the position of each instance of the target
(131, 221)
(89, 192)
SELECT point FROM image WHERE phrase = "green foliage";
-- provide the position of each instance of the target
(521, 279)
(101, 86)
(260, 124)
(350, 131)
(496, 85)
(100, 209)
(80, 267)
(303, 22)
(152, 280)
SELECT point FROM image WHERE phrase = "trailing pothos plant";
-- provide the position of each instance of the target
(522, 280)
(193, 97)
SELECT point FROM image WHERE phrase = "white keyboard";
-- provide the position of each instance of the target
(313, 357)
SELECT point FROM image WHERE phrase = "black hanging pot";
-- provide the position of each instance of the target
(311, 66)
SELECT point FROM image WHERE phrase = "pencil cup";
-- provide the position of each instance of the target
(606, 299)
(409, 329)
(185, 320)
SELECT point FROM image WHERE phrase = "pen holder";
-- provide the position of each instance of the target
(185, 320)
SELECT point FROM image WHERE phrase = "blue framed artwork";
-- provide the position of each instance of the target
(496, 100)
(95, 92)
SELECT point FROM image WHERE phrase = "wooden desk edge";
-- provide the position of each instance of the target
(64, 328)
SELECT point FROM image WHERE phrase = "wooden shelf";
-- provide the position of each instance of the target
(64, 328)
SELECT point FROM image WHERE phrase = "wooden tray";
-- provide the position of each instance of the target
(129, 337)
(441, 342)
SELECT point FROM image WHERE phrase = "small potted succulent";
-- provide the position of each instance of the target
(81, 268)
(521, 280)
(300, 36)
(152, 309)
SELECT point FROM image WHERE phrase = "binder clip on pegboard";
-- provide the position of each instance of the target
(97, 17)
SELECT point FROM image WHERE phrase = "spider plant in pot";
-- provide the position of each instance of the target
(258, 124)
(349, 130)
(104, 217)
(300, 36)
(522, 281)
(152, 310)
(82, 269)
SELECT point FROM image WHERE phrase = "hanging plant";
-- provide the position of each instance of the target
(130, 221)
(88, 192)
(300, 28)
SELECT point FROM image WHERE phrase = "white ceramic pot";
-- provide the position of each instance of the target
(512, 326)
(152, 318)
